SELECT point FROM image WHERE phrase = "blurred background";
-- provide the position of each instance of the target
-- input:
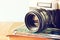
(12, 13)
(14, 10)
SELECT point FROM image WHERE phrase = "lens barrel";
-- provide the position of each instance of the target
(37, 20)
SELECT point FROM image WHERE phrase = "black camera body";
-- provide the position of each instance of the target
(55, 18)
(42, 18)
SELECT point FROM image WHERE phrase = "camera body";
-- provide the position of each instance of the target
(46, 15)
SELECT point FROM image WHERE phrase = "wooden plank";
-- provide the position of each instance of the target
(16, 37)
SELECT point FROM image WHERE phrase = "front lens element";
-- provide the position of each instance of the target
(32, 22)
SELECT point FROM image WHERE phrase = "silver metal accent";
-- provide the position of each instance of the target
(46, 5)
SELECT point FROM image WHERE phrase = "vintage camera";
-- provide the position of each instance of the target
(46, 15)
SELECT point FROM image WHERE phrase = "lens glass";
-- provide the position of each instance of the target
(33, 22)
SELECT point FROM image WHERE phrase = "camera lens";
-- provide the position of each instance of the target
(32, 21)
(36, 21)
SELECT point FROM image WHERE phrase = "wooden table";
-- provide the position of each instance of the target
(18, 37)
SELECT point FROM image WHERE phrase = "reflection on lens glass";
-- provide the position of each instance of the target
(35, 18)
(36, 23)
